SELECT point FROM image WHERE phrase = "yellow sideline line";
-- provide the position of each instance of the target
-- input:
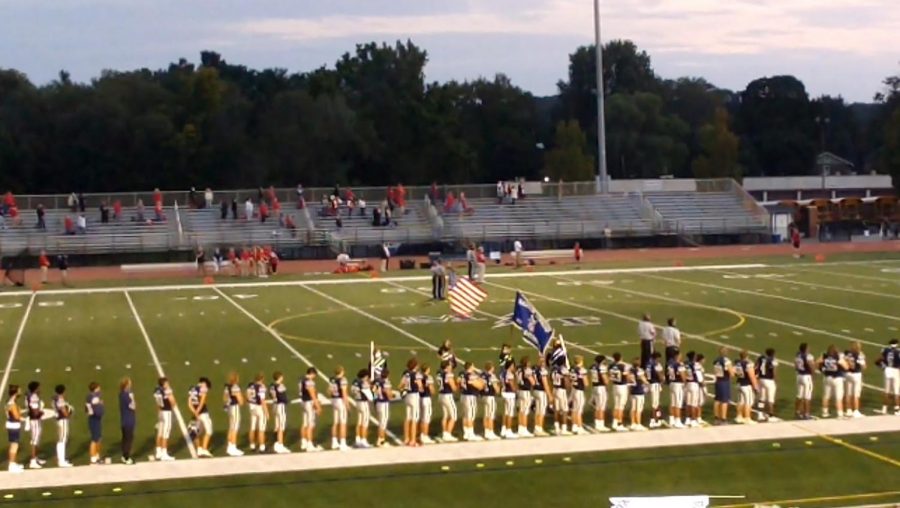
(870, 453)
(815, 499)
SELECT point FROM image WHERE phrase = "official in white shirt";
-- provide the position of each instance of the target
(647, 334)
(671, 336)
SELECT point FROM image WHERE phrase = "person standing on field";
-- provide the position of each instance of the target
(671, 336)
(95, 409)
(723, 370)
(647, 334)
(890, 362)
(127, 418)
(856, 361)
(44, 263)
(765, 369)
(63, 412)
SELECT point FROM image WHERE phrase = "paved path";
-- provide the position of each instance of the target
(261, 464)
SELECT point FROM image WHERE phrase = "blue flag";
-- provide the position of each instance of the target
(535, 329)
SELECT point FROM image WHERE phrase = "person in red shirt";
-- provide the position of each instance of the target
(276, 207)
(401, 195)
(480, 265)
(117, 209)
(69, 225)
(795, 241)
(291, 225)
(44, 263)
(263, 212)
(246, 261)
(273, 262)
(157, 196)
(9, 201)
(577, 252)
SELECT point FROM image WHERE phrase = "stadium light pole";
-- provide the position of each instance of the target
(602, 177)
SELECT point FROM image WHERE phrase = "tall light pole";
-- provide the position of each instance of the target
(602, 177)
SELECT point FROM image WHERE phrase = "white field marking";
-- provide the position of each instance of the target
(693, 304)
(277, 336)
(18, 339)
(847, 275)
(420, 278)
(778, 297)
(825, 286)
(159, 370)
(755, 316)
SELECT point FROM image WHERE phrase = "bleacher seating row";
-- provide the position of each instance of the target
(537, 216)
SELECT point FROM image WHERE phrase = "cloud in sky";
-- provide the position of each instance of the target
(835, 46)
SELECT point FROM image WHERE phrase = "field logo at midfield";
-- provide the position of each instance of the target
(507, 320)
(434, 320)
(757, 276)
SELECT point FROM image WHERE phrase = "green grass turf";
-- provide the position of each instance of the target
(760, 471)
(195, 334)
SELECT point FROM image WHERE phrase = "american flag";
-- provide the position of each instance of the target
(464, 296)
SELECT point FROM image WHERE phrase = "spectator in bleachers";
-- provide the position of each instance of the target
(157, 196)
(290, 225)
(401, 196)
(139, 211)
(117, 210)
(104, 213)
(158, 212)
(338, 222)
(14, 215)
(388, 218)
(276, 207)
(449, 203)
(260, 194)
(234, 214)
(337, 190)
(248, 207)
(263, 212)
(41, 223)
(72, 202)
(349, 196)
(300, 201)
(361, 204)
(521, 193)
(192, 198)
(464, 204)
(513, 192)
(223, 209)
(81, 224)
(433, 194)
(9, 201)
(376, 217)
(351, 203)
(501, 192)
(82, 203)
(208, 197)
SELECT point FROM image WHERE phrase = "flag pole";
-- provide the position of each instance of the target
(372, 360)
(562, 343)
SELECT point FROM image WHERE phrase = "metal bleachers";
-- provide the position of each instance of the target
(706, 212)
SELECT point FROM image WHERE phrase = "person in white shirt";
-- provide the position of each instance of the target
(81, 224)
(248, 209)
(671, 336)
(517, 252)
(647, 334)
(208, 197)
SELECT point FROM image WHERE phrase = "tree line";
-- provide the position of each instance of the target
(372, 118)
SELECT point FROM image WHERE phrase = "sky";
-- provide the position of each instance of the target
(836, 47)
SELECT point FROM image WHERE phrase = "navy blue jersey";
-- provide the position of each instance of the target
(890, 356)
(508, 379)
(93, 405)
(336, 386)
(742, 371)
(361, 390)
(526, 380)
(542, 375)
(127, 408)
(195, 397)
(307, 387)
(163, 396)
(412, 380)
(802, 362)
(35, 405)
(256, 394)
(856, 361)
(278, 393)
(637, 385)
(444, 379)
(10, 415)
(617, 373)
(675, 372)
(61, 407)
(655, 371)
(490, 384)
(598, 373)
(231, 393)
(721, 368)
(579, 375)
(831, 365)
(765, 367)
(447, 356)
(382, 390)
(427, 385)
(468, 387)
(558, 376)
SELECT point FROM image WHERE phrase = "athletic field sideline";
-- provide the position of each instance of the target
(74, 336)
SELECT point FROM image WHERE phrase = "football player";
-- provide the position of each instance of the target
(747, 383)
(363, 396)
(637, 380)
(279, 395)
(508, 394)
(165, 402)
(488, 399)
(618, 376)
(856, 361)
(676, 377)
(447, 387)
(833, 367)
(411, 386)
(525, 382)
(472, 386)
(35, 415)
(383, 395)
(579, 384)
(259, 413)
(234, 399)
(541, 396)
(694, 389)
(426, 410)
(340, 402)
(95, 409)
(723, 370)
(804, 363)
(890, 362)
(14, 427)
(655, 372)
(311, 410)
(197, 403)
(599, 394)
(561, 381)
(445, 353)
(63, 413)
(765, 368)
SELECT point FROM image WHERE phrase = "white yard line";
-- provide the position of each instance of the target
(277, 336)
(825, 286)
(776, 321)
(511, 449)
(814, 269)
(15, 346)
(159, 370)
(343, 280)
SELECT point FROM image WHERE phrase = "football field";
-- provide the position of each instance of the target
(186, 331)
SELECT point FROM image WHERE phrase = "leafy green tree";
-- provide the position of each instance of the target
(719, 150)
(569, 159)
(643, 141)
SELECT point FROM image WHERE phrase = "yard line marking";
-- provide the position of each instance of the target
(277, 336)
(808, 500)
(373, 317)
(327, 282)
(848, 275)
(694, 304)
(159, 370)
(778, 297)
(835, 288)
(15, 346)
